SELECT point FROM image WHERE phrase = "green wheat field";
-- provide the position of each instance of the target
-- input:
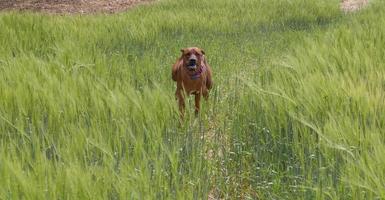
(87, 105)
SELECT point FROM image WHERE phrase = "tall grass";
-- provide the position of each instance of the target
(311, 123)
(87, 109)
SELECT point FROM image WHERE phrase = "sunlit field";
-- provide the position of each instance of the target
(87, 105)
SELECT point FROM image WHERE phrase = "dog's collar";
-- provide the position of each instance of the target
(198, 74)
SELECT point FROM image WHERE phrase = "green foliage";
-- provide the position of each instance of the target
(87, 107)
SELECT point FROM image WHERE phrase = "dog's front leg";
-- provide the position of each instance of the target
(197, 103)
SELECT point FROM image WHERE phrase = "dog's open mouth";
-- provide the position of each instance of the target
(192, 65)
(191, 68)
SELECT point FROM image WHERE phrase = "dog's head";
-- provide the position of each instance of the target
(192, 57)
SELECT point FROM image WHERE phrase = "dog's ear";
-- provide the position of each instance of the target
(183, 51)
(203, 52)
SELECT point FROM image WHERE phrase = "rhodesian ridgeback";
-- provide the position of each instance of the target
(193, 77)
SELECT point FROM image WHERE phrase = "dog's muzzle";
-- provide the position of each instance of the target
(192, 64)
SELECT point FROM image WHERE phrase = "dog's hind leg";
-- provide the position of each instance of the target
(209, 80)
(181, 102)
(205, 93)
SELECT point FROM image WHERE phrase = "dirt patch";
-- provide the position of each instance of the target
(109, 6)
(70, 6)
(352, 5)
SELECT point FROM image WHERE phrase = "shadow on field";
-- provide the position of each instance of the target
(297, 24)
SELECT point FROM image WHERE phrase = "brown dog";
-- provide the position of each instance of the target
(193, 76)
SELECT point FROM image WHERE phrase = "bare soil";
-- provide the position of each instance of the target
(110, 6)
(70, 6)
(352, 5)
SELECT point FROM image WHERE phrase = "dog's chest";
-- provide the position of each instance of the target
(193, 86)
